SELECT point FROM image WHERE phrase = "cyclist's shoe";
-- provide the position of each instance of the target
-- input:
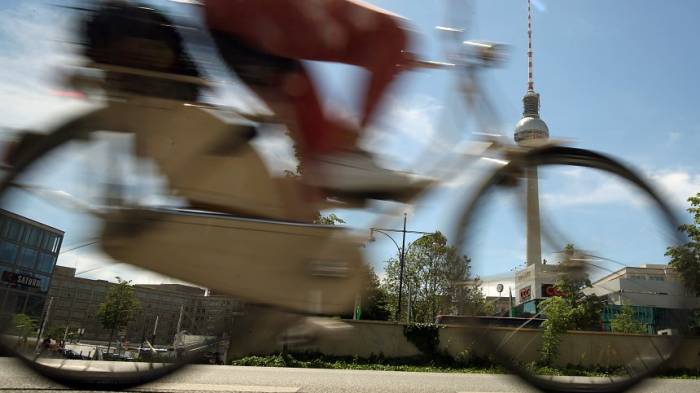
(310, 330)
(354, 174)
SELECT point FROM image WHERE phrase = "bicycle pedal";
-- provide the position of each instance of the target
(361, 198)
(332, 202)
(310, 330)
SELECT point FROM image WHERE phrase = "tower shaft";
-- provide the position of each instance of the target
(534, 242)
(531, 131)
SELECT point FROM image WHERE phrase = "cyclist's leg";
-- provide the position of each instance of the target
(378, 42)
(285, 86)
(343, 31)
(337, 165)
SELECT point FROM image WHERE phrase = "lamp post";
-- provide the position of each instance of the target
(402, 253)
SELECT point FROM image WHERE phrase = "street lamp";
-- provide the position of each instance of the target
(402, 253)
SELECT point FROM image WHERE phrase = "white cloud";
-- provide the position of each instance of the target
(539, 5)
(590, 193)
(406, 129)
(584, 188)
(673, 137)
(676, 185)
(35, 51)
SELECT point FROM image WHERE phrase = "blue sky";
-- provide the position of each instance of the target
(618, 77)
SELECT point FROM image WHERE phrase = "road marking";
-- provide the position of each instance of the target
(170, 387)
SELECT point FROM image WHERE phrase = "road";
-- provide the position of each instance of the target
(14, 377)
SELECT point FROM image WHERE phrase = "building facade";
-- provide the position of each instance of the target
(655, 293)
(28, 253)
(649, 285)
(162, 306)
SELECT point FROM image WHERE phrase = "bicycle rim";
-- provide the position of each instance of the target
(52, 201)
(567, 213)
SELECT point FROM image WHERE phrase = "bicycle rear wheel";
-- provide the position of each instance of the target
(71, 312)
(599, 309)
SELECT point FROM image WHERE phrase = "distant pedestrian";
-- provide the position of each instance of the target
(46, 344)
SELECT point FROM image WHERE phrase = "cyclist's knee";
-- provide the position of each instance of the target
(391, 40)
(395, 34)
(295, 84)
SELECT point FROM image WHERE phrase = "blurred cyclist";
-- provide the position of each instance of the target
(262, 41)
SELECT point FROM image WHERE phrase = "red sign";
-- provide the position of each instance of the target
(549, 290)
(21, 279)
(525, 293)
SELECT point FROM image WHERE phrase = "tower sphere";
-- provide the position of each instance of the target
(531, 130)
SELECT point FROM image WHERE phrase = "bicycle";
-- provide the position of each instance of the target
(325, 267)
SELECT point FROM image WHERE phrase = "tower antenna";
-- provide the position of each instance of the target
(530, 80)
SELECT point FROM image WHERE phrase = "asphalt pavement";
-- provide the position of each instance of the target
(15, 377)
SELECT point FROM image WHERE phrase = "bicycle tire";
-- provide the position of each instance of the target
(23, 158)
(566, 156)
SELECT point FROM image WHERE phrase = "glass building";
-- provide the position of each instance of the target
(28, 253)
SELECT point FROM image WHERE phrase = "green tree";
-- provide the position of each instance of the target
(586, 310)
(573, 310)
(624, 322)
(436, 281)
(374, 300)
(330, 219)
(569, 250)
(685, 258)
(118, 309)
(56, 332)
(23, 326)
(59, 331)
(559, 316)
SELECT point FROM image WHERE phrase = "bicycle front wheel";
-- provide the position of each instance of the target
(568, 248)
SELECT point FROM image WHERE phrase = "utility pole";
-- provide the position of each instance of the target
(408, 312)
(143, 334)
(402, 254)
(155, 328)
(179, 320)
(44, 322)
(401, 265)
(178, 341)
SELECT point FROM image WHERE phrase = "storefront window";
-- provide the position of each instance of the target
(47, 241)
(10, 300)
(8, 252)
(46, 262)
(27, 257)
(35, 306)
(51, 242)
(13, 230)
(44, 282)
(32, 236)
(530, 307)
(19, 306)
(5, 277)
(14, 303)
(56, 244)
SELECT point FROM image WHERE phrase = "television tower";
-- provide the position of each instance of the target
(531, 131)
